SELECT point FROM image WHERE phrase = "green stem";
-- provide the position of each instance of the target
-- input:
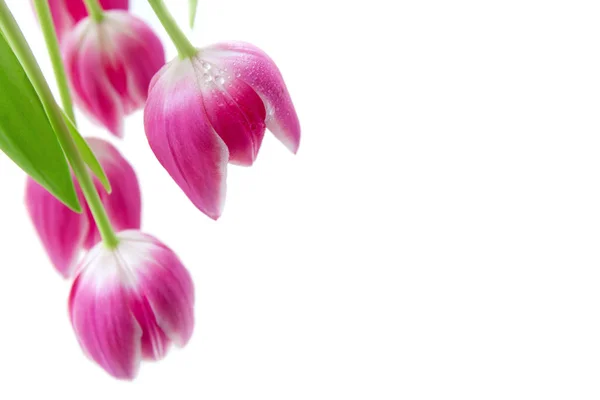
(94, 9)
(184, 47)
(43, 11)
(193, 8)
(12, 32)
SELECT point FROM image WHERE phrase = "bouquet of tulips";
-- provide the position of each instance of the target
(131, 296)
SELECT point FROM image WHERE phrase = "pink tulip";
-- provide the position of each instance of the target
(211, 109)
(65, 233)
(66, 13)
(110, 65)
(130, 303)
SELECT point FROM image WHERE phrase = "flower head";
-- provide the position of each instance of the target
(66, 13)
(130, 303)
(211, 109)
(65, 233)
(110, 65)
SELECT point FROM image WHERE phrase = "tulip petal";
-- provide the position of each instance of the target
(183, 140)
(128, 76)
(155, 342)
(237, 114)
(75, 9)
(253, 66)
(170, 291)
(116, 74)
(61, 230)
(164, 281)
(115, 4)
(124, 203)
(144, 45)
(99, 311)
(92, 89)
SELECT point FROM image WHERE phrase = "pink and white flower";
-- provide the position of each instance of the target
(130, 303)
(66, 13)
(65, 233)
(213, 108)
(110, 65)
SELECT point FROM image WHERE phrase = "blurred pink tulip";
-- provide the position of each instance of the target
(66, 13)
(130, 303)
(110, 65)
(63, 232)
(211, 109)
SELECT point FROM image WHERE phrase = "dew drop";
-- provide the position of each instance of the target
(206, 66)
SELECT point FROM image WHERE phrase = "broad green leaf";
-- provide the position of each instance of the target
(193, 9)
(26, 135)
(88, 155)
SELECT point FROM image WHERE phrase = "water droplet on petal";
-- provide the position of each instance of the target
(205, 66)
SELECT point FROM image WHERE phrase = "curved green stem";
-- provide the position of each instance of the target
(43, 11)
(12, 32)
(94, 9)
(184, 47)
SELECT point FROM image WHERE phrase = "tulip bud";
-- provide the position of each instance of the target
(110, 65)
(130, 303)
(65, 233)
(66, 13)
(211, 109)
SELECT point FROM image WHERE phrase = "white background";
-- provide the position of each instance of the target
(436, 237)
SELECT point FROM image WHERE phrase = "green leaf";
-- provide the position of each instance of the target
(26, 135)
(193, 9)
(88, 155)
